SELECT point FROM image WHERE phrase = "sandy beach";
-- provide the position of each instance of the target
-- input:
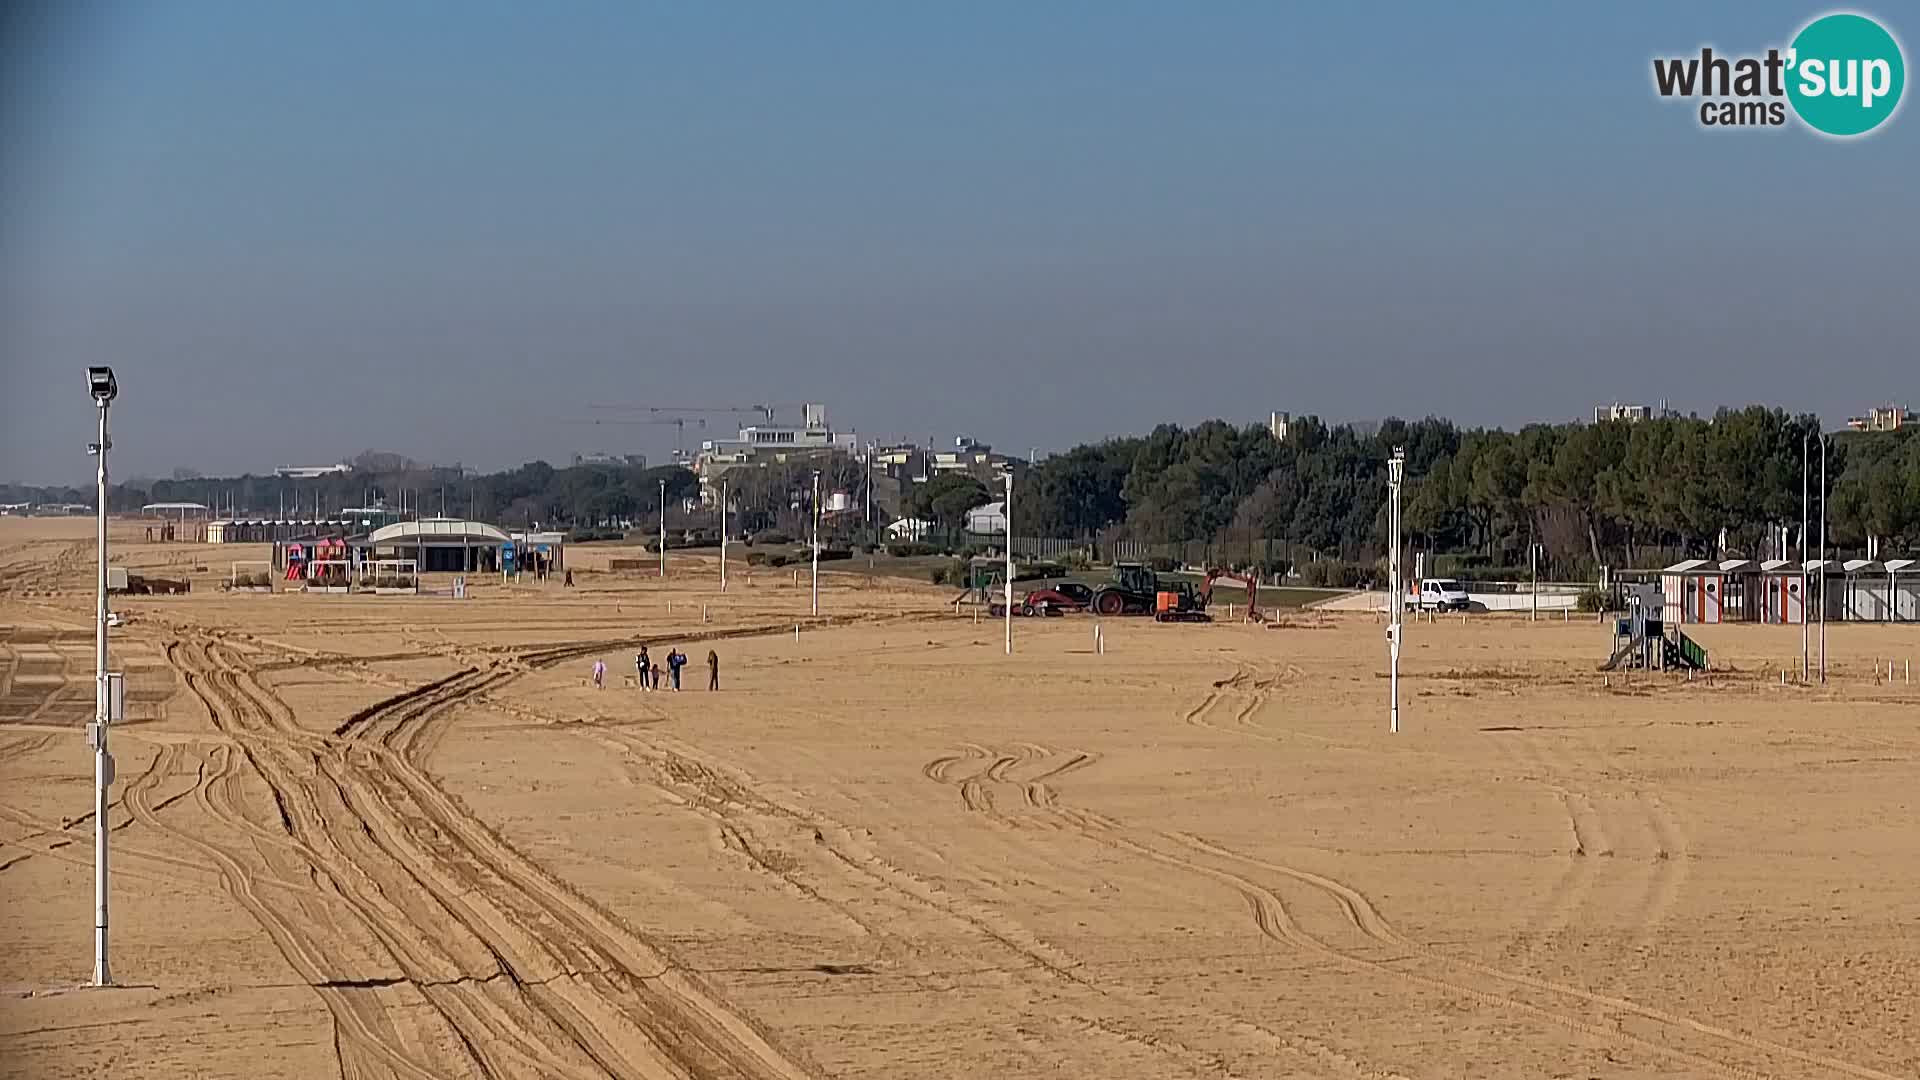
(376, 836)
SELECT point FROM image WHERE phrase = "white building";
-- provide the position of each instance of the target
(762, 444)
(909, 529)
(310, 472)
(596, 457)
(991, 518)
(1632, 414)
(1878, 418)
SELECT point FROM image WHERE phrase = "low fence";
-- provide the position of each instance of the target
(1195, 553)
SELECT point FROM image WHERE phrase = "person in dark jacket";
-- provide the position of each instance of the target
(675, 661)
(646, 669)
(713, 670)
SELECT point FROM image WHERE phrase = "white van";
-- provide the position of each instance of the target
(1440, 594)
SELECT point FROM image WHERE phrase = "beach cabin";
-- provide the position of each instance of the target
(1783, 585)
(1705, 591)
(1874, 590)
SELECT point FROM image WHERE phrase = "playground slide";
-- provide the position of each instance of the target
(1619, 655)
(1691, 653)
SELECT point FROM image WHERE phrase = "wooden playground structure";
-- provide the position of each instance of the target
(1645, 641)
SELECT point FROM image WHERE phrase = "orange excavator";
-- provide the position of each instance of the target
(1248, 581)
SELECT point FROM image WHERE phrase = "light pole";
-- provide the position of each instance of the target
(1806, 623)
(1823, 557)
(1533, 567)
(663, 527)
(723, 534)
(105, 388)
(816, 542)
(1007, 512)
(1395, 600)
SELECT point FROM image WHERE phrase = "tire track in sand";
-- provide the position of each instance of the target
(1273, 919)
(523, 975)
(1062, 763)
(724, 788)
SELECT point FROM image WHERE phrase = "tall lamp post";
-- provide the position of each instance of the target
(723, 534)
(1823, 557)
(1007, 508)
(105, 388)
(663, 526)
(1533, 571)
(1806, 625)
(816, 542)
(1396, 599)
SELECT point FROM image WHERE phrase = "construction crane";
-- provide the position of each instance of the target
(680, 430)
(765, 412)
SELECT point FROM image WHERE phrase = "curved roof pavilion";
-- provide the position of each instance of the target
(437, 532)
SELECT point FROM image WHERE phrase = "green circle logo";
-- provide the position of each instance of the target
(1845, 74)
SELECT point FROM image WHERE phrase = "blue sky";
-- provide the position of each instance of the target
(447, 230)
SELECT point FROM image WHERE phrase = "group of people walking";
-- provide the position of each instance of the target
(652, 678)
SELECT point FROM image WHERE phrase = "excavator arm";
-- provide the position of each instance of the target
(1250, 583)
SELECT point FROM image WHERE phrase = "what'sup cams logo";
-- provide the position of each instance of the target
(1842, 76)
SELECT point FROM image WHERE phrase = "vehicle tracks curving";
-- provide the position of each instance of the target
(1569, 1006)
(520, 975)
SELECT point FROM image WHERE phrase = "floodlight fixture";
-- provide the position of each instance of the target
(101, 382)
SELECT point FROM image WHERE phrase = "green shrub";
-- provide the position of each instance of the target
(950, 572)
(1076, 560)
(777, 558)
(1333, 574)
(869, 549)
(1463, 565)
(756, 558)
(828, 554)
(911, 550)
(772, 536)
(1591, 600)
(1162, 564)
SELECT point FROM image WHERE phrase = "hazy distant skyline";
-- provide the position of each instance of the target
(446, 231)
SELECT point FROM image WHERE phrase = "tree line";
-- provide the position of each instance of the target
(577, 496)
(596, 497)
(1615, 493)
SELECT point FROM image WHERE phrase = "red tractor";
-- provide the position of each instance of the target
(1067, 596)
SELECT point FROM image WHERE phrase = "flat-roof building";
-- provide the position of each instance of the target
(1880, 418)
(761, 444)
